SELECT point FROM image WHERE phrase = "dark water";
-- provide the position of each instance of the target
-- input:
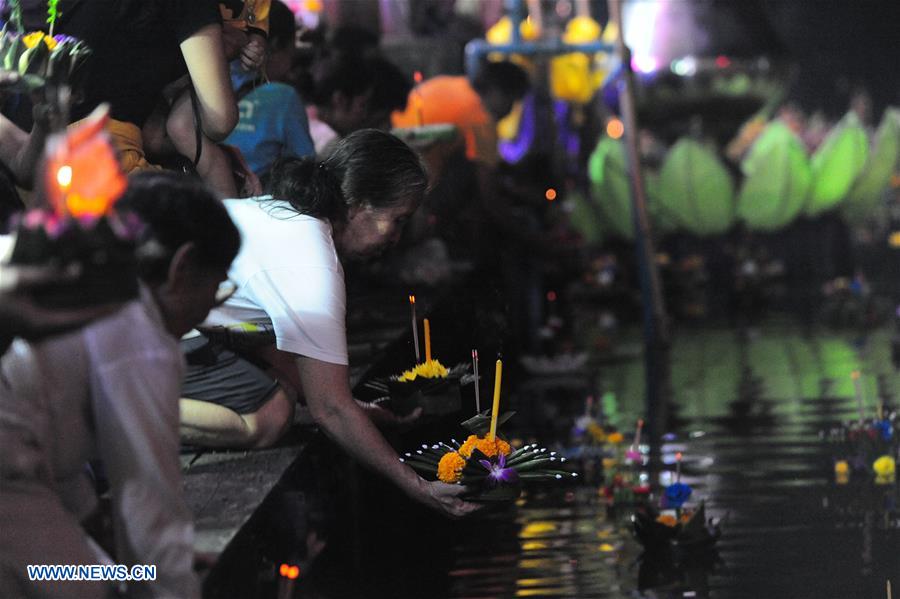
(747, 413)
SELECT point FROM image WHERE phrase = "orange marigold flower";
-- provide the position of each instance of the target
(488, 448)
(667, 520)
(450, 467)
(615, 438)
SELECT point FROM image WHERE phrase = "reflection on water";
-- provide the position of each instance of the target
(749, 408)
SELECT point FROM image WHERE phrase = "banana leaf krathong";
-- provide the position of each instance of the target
(684, 532)
(777, 180)
(494, 470)
(40, 59)
(437, 393)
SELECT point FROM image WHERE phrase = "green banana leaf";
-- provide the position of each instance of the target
(696, 189)
(836, 164)
(866, 192)
(609, 184)
(777, 177)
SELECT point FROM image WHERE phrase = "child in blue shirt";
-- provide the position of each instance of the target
(273, 121)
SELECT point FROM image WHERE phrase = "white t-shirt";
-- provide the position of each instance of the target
(287, 274)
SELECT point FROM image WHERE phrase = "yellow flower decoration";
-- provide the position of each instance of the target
(615, 438)
(450, 467)
(488, 448)
(432, 369)
(32, 39)
(667, 520)
(885, 470)
(596, 431)
(609, 463)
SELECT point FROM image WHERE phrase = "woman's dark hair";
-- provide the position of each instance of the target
(367, 168)
(282, 26)
(178, 209)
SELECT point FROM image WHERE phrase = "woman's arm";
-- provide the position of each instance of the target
(327, 391)
(21, 151)
(326, 388)
(205, 58)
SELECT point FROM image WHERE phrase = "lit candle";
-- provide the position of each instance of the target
(637, 435)
(477, 391)
(495, 409)
(417, 100)
(415, 325)
(857, 388)
(678, 467)
(427, 341)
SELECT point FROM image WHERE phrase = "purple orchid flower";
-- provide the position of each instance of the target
(498, 472)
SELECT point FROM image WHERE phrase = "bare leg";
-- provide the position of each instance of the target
(214, 166)
(210, 425)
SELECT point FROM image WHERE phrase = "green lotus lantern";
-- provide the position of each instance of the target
(777, 177)
(609, 182)
(836, 164)
(696, 190)
(866, 192)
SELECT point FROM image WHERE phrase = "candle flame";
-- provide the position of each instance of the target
(678, 456)
(640, 422)
(64, 176)
(412, 299)
(550, 194)
(417, 77)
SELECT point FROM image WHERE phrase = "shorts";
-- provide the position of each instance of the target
(218, 375)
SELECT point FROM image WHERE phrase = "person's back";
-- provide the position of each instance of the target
(110, 390)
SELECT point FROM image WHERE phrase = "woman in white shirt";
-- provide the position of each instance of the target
(290, 282)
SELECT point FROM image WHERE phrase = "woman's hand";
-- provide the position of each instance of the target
(253, 54)
(444, 498)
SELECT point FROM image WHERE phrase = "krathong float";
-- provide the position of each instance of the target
(428, 384)
(675, 530)
(40, 59)
(484, 461)
(81, 232)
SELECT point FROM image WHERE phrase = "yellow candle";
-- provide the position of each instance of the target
(427, 341)
(495, 409)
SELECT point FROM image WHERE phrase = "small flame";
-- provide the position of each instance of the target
(550, 194)
(412, 299)
(288, 571)
(64, 176)
(417, 77)
(678, 456)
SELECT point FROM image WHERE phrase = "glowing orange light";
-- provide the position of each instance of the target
(83, 177)
(550, 194)
(293, 572)
(412, 299)
(284, 569)
(722, 62)
(551, 296)
(894, 239)
(678, 456)
(615, 129)
(417, 77)
(64, 176)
